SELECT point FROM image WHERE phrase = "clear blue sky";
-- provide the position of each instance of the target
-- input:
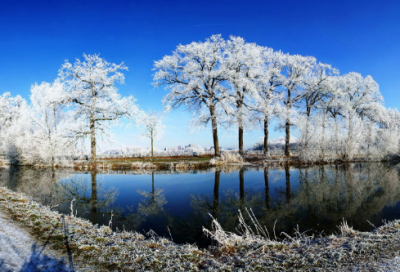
(37, 36)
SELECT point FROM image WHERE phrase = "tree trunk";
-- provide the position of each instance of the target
(322, 144)
(287, 125)
(287, 138)
(266, 135)
(240, 132)
(93, 140)
(152, 152)
(349, 140)
(215, 131)
(369, 141)
(241, 151)
(336, 136)
(306, 137)
(52, 160)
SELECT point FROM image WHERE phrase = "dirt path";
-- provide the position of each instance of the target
(19, 251)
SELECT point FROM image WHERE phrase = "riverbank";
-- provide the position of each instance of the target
(106, 250)
(194, 162)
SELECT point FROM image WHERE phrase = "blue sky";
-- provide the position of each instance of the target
(37, 36)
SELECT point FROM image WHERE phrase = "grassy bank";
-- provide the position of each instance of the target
(160, 163)
(194, 162)
(106, 250)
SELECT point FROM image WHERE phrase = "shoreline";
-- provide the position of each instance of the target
(192, 163)
(106, 250)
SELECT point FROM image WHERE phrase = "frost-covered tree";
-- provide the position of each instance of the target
(297, 71)
(317, 88)
(151, 126)
(348, 120)
(389, 133)
(50, 120)
(10, 110)
(362, 103)
(195, 76)
(266, 99)
(244, 67)
(91, 92)
(14, 126)
(333, 106)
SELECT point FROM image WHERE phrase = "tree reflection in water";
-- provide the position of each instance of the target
(154, 202)
(92, 200)
(224, 210)
(314, 197)
(38, 184)
(150, 207)
(266, 183)
(216, 193)
(325, 195)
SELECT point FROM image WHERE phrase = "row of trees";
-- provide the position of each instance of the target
(237, 84)
(81, 103)
(223, 82)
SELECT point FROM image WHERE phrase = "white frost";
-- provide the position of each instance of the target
(20, 252)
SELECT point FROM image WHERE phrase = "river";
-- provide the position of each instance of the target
(177, 204)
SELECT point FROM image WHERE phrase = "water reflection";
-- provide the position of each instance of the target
(216, 193)
(266, 183)
(150, 207)
(91, 199)
(316, 197)
(39, 184)
(321, 198)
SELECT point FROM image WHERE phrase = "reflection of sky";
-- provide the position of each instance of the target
(179, 188)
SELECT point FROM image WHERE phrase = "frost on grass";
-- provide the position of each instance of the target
(227, 158)
(141, 165)
(20, 252)
(253, 248)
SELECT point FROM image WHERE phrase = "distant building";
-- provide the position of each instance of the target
(179, 147)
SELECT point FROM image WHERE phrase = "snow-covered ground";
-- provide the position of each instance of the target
(19, 251)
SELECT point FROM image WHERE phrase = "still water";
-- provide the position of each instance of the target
(178, 204)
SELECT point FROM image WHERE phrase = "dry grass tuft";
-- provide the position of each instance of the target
(227, 157)
(141, 165)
